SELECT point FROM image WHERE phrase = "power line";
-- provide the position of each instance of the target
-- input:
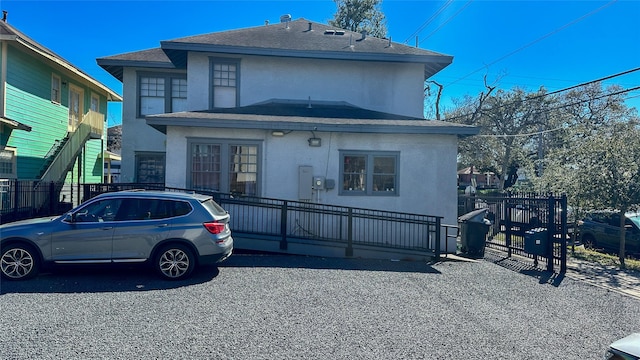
(553, 108)
(567, 89)
(537, 40)
(429, 20)
(447, 21)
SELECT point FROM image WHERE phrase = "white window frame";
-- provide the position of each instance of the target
(73, 123)
(56, 94)
(95, 97)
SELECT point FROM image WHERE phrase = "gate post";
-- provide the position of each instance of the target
(551, 232)
(438, 237)
(283, 226)
(563, 241)
(349, 250)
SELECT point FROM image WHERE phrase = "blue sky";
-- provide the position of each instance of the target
(555, 44)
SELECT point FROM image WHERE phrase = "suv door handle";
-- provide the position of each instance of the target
(163, 225)
(107, 228)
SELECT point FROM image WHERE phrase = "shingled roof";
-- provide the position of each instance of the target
(293, 115)
(300, 38)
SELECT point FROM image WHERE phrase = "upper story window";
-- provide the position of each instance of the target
(224, 82)
(369, 173)
(161, 93)
(95, 102)
(56, 85)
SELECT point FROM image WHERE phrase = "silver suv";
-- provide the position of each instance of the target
(171, 231)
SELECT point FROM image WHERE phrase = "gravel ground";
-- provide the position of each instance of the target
(293, 307)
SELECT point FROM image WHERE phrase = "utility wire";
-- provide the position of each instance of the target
(429, 20)
(447, 21)
(560, 107)
(567, 89)
(537, 40)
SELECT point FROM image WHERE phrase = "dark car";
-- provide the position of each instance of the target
(171, 231)
(601, 230)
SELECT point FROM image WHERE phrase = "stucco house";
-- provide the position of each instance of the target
(294, 110)
(52, 114)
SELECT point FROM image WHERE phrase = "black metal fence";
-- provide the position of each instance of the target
(529, 225)
(23, 199)
(289, 221)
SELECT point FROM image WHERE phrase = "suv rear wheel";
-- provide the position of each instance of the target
(19, 262)
(175, 262)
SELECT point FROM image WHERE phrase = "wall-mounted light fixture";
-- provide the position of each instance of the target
(64, 83)
(277, 133)
(315, 142)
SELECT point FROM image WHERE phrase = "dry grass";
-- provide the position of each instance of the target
(604, 259)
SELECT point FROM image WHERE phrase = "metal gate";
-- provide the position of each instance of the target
(529, 225)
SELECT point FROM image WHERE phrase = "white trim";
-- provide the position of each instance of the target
(56, 78)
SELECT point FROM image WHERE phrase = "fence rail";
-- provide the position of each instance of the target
(284, 221)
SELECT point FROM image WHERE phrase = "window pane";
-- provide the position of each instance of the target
(224, 97)
(354, 173)
(205, 166)
(243, 169)
(150, 168)
(151, 105)
(384, 177)
(224, 85)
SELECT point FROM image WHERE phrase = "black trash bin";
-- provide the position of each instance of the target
(473, 232)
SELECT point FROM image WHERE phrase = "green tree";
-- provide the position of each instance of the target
(509, 122)
(360, 15)
(595, 159)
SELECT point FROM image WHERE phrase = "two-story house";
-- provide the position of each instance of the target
(295, 110)
(52, 114)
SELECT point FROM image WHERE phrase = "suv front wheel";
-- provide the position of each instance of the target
(175, 262)
(19, 262)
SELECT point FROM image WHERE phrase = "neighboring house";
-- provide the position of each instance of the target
(471, 176)
(296, 110)
(52, 115)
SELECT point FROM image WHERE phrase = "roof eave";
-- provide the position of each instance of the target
(111, 95)
(176, 53)
(116, 67)
(161, 123)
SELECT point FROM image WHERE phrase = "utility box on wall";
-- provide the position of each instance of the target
(318, 183)
(305, 180)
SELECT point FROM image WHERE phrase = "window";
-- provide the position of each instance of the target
(365, 173)
(150, 168)
(8, 163)
(161, 93)
(224, 166)
(224, 80)
(95, 103)
(55, 88)
(99, 211)
(76, 107)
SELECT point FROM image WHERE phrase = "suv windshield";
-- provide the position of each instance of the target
(636, 219)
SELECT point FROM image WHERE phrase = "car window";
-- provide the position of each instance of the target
(99, 211)
(181, 208)
(213, 207)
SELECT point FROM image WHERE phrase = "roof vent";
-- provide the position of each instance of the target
(364, 34)
(4, 15)
(329, 32)
(285, 18)
(310, 26)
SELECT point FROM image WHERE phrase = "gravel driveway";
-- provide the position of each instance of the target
(292, 307)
